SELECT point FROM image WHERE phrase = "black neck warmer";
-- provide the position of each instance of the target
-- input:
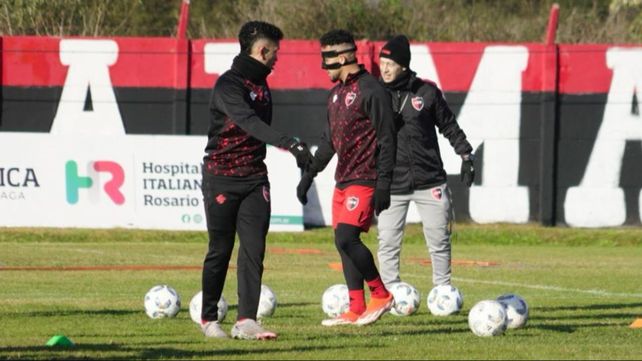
(251, 69)
(401, 82)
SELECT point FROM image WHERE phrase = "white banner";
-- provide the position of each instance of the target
(131, 181)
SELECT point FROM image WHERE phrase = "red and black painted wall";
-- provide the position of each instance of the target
(553, 125)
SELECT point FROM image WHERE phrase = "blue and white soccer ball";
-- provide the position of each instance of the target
(196, 306)
(516, 310)
(335, 300)
(407, 299)
(444, 300)
(487, 318)
(267, 302)
(162, 301)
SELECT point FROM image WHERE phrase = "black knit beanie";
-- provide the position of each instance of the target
(397, 49)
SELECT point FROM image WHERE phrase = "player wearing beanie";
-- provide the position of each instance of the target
(419, 174)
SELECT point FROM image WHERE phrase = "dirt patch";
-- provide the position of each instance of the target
(104, 268)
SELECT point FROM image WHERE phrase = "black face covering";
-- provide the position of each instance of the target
(333, 54)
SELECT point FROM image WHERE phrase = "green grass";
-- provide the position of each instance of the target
(582, 286)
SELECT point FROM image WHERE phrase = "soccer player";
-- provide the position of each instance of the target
(235, 185)
(360, 130)
(419, 175)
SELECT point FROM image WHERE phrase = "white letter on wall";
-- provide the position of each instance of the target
(88, 62)
(219, 56)
(421, 62)
(491, 115)
(599, 201)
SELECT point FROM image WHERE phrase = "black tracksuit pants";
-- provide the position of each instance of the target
(235, 205)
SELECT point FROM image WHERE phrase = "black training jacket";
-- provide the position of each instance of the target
(240, 118)
(419, 107)
(361, 131)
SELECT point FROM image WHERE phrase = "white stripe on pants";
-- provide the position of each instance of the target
(434, 211)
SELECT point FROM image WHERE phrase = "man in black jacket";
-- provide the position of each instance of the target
(360, 130)
(419, 175)
(235, 185)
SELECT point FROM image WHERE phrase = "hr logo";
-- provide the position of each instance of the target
(75, 182)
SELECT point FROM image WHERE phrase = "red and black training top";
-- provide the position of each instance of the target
(361, 131)
(240, 118)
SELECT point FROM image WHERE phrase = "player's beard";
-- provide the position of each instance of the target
(334, 77)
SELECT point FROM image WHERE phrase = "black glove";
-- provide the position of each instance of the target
(302, 189)
(302, 155)
(467, 171)
(381, 200)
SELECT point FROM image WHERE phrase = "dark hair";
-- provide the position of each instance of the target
(336, 37)
(254, 30)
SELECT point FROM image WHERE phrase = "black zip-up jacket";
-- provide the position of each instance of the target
(361, 131)
(240, 118)
(419, 107)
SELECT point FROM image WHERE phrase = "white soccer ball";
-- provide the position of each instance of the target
(162, 301)
(335, 300)
(444, 300)
(487, 318)
(267, 302)
(516, 310)
(407, 299)
(196, 306)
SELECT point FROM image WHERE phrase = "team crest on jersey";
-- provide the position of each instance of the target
(352, 203)
(417, 103)
(266, 193)
(437, 193)
(220, 199)
(253, 95)
(350, 97)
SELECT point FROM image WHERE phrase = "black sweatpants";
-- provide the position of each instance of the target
(235, 205)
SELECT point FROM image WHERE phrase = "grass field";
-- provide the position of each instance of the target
(583, 288)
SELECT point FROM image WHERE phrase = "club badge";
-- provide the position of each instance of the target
(352, 203)
(350, 97)
(417, 103)
(220, 199)
(436, 193)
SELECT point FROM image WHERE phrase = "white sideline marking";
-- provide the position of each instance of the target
(550, 288)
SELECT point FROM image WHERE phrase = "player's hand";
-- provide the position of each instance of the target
(302, 189)
(302, 154)
(467, 173)
(381, 200)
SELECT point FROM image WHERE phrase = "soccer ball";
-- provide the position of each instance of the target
(487, 318)
(444, 300)
(267, 302)
(335, 300)
(516, 310)
(406, 297)
(162, 301)
(196, 305)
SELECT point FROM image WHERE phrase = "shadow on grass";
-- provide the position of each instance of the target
(78, 312)
(376, 332)
(600, 316)
(426, 331)
(582, 317)
(604, 306)
(296, 304)
(128, 353)
(570, 328)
